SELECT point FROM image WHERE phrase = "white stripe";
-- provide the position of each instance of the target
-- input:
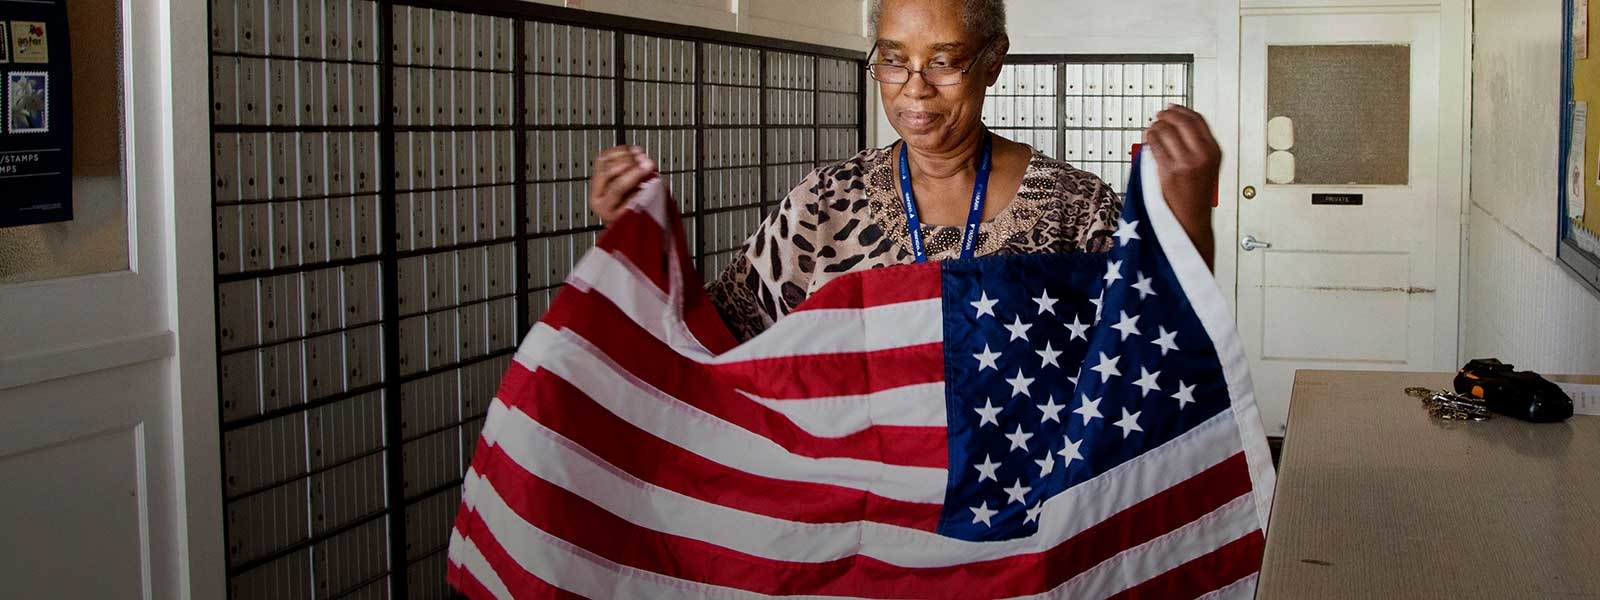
(806, 332)
(1201, 288)
(574, 569)
(464, 553)
(572, 358)
(637, 297)
(560, 563)
(651, 199)
(841, 330)
(555, 459)
(1243, 589)
(920, 405)
(1200, 537)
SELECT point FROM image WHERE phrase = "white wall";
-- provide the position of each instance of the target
(1519, 304)
(826, 22)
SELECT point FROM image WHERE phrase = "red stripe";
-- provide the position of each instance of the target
(567, 516)
(908, 283)
(843, 374)
(642, 455)
(714, 388)
(1237, 560)
(637, 236)
(517, 580)
(464, 583)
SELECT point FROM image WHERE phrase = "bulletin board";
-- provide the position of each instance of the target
(1579, 210)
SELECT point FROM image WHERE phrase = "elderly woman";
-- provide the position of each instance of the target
(918, 198)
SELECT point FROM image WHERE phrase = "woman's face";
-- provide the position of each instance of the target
(919, 34)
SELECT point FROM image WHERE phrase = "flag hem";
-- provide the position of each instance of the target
(1212, 309)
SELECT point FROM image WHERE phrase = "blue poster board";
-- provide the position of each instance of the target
(35, 113)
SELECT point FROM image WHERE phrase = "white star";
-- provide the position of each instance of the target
(982, 514)
(1019, 439)
(987, 414)
(1019, 385)
(1046, 465)
(985, 306)
(1166, 341)
(1090, 409)
(1049, 355)
(1145, 287)
(1018, 492)
(1033, 513)
(1125, 232)
(986, 469)
(1128, 325)
(1046, 303)
(1147, 382)
(1185, 395)
(1019, 330)
(1051, 410)
(1107, 367)
(1070, 452)
(1099, 305)
(1074, 380)
(1129, 423)
(986, 359)
(1078, 328)
(1113, 272)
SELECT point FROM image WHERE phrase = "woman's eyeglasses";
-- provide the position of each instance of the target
(935, 76)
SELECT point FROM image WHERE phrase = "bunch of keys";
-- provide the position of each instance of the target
(1450, 406)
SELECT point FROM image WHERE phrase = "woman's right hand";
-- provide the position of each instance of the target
(618, 171)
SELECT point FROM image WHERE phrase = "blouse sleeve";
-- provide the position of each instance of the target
(1105, 209)
(771, 274)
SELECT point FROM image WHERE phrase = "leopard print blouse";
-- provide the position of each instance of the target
(847, 217)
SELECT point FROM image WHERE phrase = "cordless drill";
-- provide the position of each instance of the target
(1520, 394)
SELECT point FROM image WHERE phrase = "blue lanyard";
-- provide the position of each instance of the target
(980, 189)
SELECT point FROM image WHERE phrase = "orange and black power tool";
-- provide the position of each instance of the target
(1520, 394)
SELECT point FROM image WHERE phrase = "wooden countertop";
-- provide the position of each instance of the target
(1375, 499)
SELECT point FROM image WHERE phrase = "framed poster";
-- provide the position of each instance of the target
(35, 113)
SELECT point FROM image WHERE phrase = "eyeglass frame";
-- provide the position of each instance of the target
(923, 71)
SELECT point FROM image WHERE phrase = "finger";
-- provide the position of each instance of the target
(622, 154)
(624, 185)
(611, 169)
(1158, 137)
(1184, 110)
(1192, 130)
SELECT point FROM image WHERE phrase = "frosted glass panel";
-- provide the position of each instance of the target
(1349, 108)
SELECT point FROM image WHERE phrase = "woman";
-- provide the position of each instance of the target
(933, 61)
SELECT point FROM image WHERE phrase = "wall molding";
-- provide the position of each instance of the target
(1339, 8)
(28, 369)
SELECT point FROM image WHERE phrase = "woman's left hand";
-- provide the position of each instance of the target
(1190, 163)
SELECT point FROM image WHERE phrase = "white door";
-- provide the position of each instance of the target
(1347, 253)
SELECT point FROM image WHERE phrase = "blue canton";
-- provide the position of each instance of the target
(1060, 367)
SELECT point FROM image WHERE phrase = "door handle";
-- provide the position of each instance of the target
(1250, 243)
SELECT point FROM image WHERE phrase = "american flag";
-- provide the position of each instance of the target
(1052, 426)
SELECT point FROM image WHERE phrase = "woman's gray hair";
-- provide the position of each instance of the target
(987, 18)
